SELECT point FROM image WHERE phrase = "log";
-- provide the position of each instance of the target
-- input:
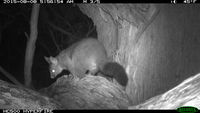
(17, 97)
(90, 92)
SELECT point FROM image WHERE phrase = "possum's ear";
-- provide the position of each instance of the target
(53, 60)
(47, 59)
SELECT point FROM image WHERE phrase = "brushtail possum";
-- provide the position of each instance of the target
(87, 55)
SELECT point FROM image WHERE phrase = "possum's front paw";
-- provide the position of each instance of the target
(71, 77)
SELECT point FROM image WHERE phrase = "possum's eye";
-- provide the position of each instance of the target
(53, 71)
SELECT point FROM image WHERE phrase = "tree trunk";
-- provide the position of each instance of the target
(30, 47)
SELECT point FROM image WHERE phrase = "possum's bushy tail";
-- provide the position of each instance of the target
(116, 71)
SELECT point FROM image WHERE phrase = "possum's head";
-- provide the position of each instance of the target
(54, 66)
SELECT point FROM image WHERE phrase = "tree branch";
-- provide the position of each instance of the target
(30, 49)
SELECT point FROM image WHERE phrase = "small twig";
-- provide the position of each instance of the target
(54, 41)
(26, 35)
(10, 77)
(59, 29)
(90, 30)
(63, 20)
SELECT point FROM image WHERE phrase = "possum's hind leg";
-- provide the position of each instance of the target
(98, 73)
(92, 69)
(91, 72)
